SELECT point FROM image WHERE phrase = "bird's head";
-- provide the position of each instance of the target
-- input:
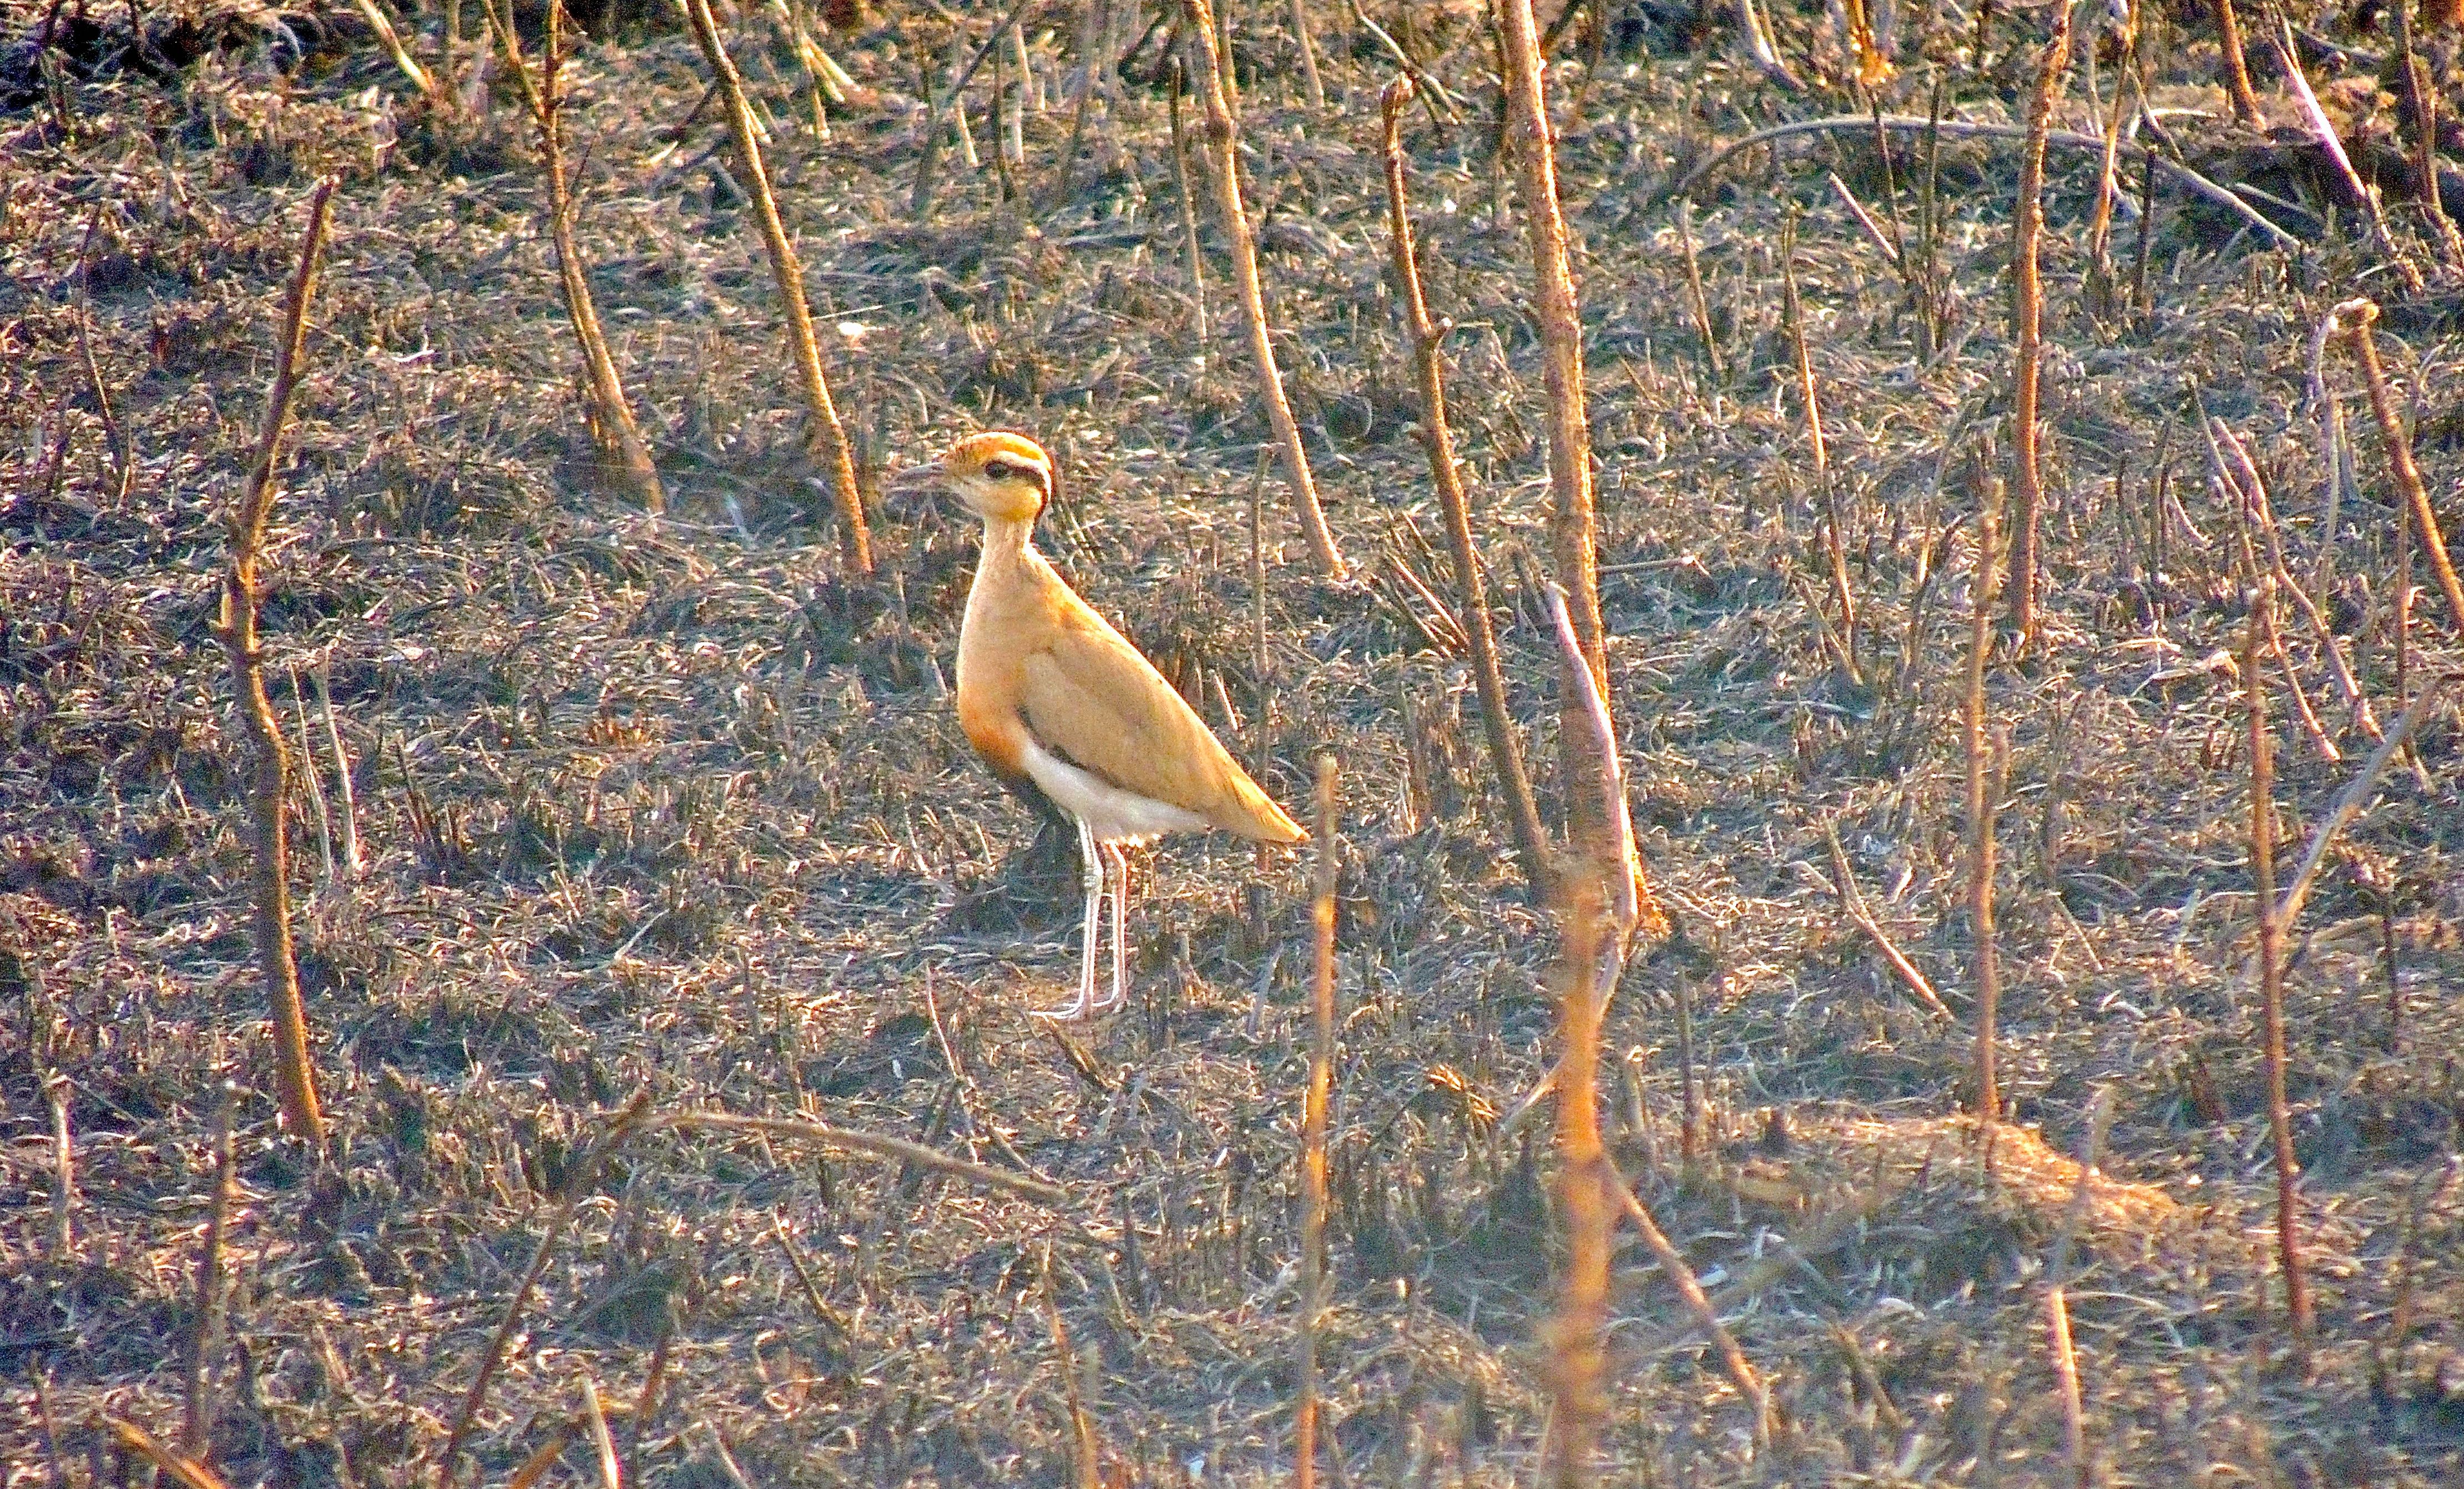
(1002, 478)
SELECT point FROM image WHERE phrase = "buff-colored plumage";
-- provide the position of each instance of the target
(1050, 693)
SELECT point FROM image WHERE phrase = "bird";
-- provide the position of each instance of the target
(1056, 700)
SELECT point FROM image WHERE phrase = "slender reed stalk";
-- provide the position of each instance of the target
(2423, 99)
(1321, 1080)
(1188, 212)
(1980, 806)
(243, 587)
(1224, 158)
(827, 437)
(1690, 1289)
(612, 426)
(1436, 437)
(1835, 543)
(2271, 963)
(1085, 1462)
(2028, 291)
(205, 1337)
(55, 1097)
(2236, 67)
(1573, 536)
(1308, 57)
(1576, 1363)
(2058, 1276)
(2356, 317)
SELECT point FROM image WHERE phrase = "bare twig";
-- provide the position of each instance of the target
(1574, 539)
(928, 157)
(37, 1377)
(2057, 1315)
(1600, 823)
(2323, 132)
(182, 1470)
(1308, 57)
(1851, 903)
(1188, 212)
(1835, 549)
(2356, 317)
(242, 588)
(602, 1444)
(1690, 1288)
(579, 1178)
(2028, 292)
(1223, 161)
(354, 859)
(1433, 91)
(2245, 509)
(2263, 511)
(204, 1336)
(55, 1097)
(827, 437)
(2236, 67)
(1761, 50)
(1987, 973)
(390, 39)
(1436, 437)
(854, 1140)
(2271, 963)
(612, 426)
(1313, 1104)
(2423, 101)
(2190, 179)
(1085, 1462)
(2349, 801)
(1576, 1363)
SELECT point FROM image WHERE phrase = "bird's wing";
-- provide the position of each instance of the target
(1090, 695)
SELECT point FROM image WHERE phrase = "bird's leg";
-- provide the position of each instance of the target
(1085, 1003)
(1120, 865)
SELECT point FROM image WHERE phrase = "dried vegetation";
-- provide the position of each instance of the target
(589, 800)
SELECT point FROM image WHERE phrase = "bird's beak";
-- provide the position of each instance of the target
(909, 492)
(915, 478)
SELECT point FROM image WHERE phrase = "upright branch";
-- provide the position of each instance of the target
(1576, 1363)
(1504, 747)
(2028, 291)
(2271, 958)
(205, 1333)
(243, 587)
(1598, 821)
(2356, 317)
(827, 437)
(1308, 58)
(612, 427)
(2236, 67)
(1321, 1080)
(1980, 805)
(2423, 99)
(1223, 161)
(1572, 532)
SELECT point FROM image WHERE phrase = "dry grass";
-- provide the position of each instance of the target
(663, 804)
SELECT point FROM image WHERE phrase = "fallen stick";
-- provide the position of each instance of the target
(1964, 129)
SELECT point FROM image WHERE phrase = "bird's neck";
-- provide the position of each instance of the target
(1008, 542)
(1006, 567)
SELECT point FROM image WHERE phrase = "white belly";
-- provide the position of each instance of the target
(1112, 815)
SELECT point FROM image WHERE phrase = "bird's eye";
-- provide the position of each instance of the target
(999, 470)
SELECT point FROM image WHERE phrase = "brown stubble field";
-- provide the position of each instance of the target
(673, 805)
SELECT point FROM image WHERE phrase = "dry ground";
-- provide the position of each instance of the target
(671, 804)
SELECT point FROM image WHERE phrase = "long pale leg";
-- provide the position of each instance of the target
(1085, 1003)
(1119, 863)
